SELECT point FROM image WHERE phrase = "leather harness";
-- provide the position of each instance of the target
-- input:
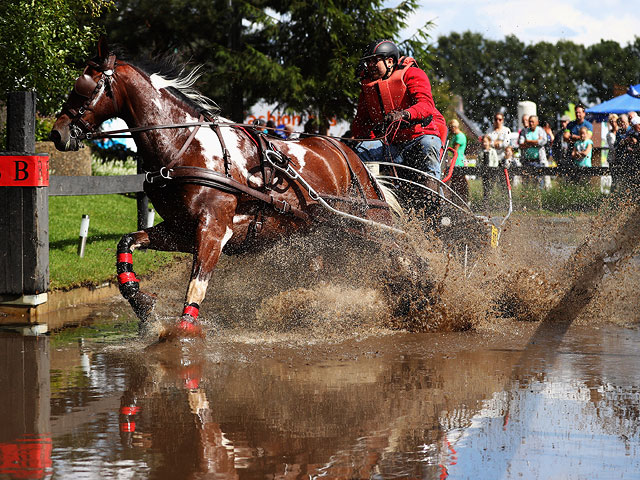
(87, 88)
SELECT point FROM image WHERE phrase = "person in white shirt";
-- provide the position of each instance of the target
(499, 136)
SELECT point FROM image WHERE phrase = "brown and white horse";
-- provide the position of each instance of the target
(210, 183)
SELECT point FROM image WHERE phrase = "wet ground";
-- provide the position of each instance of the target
(542, 389)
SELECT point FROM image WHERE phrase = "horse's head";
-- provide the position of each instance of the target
(93, 100)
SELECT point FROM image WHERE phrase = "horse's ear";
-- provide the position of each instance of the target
(103, 48)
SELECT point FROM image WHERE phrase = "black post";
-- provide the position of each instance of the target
(142, 202)
(24, 216)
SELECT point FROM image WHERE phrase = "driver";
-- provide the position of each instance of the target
(395, 96)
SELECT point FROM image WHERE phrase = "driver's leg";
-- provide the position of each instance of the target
(430, 160)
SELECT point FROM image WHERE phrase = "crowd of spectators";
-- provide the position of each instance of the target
(570, 145)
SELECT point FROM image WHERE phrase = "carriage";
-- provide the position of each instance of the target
(221, 186)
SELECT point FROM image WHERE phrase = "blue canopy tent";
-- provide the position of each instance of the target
(628, 102)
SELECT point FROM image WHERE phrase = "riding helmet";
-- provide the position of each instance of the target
(381, 48)
(377, 48)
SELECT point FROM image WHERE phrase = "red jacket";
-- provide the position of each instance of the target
(406, 89)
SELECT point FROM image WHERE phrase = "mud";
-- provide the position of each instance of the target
(326, 286)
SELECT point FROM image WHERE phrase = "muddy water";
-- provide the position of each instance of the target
(536, 404)
(305, 374)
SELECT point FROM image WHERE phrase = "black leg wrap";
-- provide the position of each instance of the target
(124, 245)
(129, 289)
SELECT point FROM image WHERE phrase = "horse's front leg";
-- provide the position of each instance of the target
(210, 238)
(161, 237)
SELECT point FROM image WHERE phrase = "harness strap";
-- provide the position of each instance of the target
(225, 152)
(210, 178)
(187, 143)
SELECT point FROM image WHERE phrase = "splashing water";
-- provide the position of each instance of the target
(323, 285)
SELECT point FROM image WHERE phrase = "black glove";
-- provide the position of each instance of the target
(397, 116)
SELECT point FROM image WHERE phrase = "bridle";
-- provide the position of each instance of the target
(87, 88)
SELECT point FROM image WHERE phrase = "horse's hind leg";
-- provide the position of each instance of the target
(160, 237)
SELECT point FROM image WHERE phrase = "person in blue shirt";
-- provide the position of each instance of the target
(575, 125)
(582, 149)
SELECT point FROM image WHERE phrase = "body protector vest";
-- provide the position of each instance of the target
(386, 95)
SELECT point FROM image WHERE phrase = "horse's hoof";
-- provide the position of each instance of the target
(143, 304)
(185, 328)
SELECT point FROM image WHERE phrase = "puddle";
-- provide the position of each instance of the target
(430, 405)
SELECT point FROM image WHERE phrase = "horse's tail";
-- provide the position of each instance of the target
(389, 196)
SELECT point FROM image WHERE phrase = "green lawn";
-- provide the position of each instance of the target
(111, 216)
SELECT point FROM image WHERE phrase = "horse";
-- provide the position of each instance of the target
(218, 186)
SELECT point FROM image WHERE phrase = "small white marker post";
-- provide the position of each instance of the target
(151, 216)
(84, 233)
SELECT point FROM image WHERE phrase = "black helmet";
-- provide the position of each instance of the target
(381, 48)
(378, 48)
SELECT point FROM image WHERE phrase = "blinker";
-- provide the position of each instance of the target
(85, 86)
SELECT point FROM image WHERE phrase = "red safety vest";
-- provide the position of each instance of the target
(386, 95)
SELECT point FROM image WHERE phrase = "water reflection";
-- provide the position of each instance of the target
(389, 407)
(25, 438)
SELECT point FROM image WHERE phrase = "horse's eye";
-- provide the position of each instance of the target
(85, 85)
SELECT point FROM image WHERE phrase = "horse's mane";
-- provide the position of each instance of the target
(174, 77)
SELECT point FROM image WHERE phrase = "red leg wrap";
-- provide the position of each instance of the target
(127, 277)
(125, 258)
(192, 310)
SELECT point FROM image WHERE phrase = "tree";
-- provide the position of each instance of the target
(610, 64)
(41, 43)
(491, 75)
(300, 55)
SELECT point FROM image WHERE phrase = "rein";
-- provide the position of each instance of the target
(146, 128)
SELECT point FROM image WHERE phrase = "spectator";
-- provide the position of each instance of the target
(523, 128)
(289, 132)
(260, 125)
(272, 129)
(488, 164)
(459, 182)
(617, 166)
(499, 136)
(612, 123)
(547, 148)
(582, 149)
(560, 147)
(575, 125)
(311, 127)
(628, 157)
(531, 141)
(509, 160)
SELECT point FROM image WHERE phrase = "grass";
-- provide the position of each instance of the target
(97, 332)
(111, 216)
(562, 198)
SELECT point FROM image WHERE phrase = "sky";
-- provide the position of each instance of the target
(585, 22)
